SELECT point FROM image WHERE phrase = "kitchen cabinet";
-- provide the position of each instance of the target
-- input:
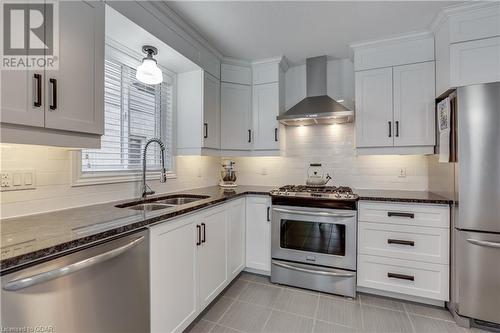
(374, 108)
(212, 255)
(467, 46)
(236, 237)
(211, 112)
(258, 234)
(192, 260)
(234, 73)
(395, 109)
(236, 115)
(413, 89)
(173, 259)
(475, 62)
(266, 107)
(404, 248)
(70, 98)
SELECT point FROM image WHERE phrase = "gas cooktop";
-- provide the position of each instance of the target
(321, 192)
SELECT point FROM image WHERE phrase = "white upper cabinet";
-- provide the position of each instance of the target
(211, 112)
(266, 72)
(475, 62)
(236, 115)
(70, 99)
(22, 98)
(393, 51)
(467, 45)
(266, 106)
(475, 23)
(75, 92)
(374, 114)
(414, 105)
(236, 74)
(395, 104)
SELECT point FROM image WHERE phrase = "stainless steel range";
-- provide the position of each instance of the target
(313, 238)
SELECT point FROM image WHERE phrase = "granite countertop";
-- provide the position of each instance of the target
(32, 238)
(402, 196)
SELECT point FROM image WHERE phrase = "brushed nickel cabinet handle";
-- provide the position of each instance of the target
(400, 214)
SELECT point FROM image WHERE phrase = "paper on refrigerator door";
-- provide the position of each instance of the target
(444, 127)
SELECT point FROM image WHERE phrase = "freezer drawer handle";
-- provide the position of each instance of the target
(399, 214)
(290, 211)
(401, 276)
(484, 243)
(347, 275)
(400, 242)
(65, 270)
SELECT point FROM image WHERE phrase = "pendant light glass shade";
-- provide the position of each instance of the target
(148, 72)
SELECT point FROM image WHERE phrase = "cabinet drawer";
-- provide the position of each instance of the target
(406, 214)
(404, 242)
(403, 276)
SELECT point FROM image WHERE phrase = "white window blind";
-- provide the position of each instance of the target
(134, 112)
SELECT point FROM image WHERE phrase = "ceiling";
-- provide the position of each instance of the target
(252, 30)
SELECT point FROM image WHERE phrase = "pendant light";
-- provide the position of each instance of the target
(148, 72)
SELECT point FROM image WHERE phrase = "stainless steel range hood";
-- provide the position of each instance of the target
(317, 108)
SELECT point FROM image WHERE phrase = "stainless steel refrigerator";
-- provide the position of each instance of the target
(473, 181)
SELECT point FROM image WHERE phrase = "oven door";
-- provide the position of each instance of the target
(325, 237)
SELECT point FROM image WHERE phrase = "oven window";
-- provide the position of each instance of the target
(313, 237)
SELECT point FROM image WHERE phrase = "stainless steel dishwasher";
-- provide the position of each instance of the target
(104, 288)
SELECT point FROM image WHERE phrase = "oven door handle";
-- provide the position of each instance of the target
(347, 275)
(290, 211)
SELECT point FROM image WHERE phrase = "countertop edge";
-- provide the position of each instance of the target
(13, 264)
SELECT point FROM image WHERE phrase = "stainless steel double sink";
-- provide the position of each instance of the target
(164, 202)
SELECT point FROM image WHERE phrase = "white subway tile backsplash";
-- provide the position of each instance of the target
(333, 146)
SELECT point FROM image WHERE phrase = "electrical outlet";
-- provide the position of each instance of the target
(13, 180)
(402, 173)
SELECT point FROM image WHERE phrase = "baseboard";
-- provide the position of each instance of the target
(401, 296)
(257, 271)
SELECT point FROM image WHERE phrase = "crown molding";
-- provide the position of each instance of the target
(236, 62)
(416, 35)
(443, 16)
(168, 12)
(282, 61)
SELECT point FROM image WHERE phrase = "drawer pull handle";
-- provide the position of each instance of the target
(401, 276)
(399, 214)
(400, 242)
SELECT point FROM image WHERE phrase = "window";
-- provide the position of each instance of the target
(134, 112)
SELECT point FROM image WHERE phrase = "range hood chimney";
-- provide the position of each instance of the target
(317, 108)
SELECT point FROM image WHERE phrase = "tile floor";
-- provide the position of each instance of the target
(252, 304)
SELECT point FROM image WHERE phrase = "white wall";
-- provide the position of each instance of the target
(333, 146)
(53, 175)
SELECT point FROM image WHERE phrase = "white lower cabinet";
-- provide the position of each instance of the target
(192, 259)
(258, 234)
(235, 237)
(212, 255)
(403, 249)
(173, 258)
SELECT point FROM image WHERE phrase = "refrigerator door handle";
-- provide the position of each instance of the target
(484, 243)
(65, 270)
